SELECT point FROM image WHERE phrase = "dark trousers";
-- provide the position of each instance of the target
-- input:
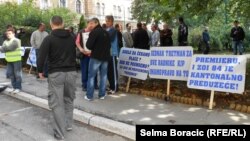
(207, 49)
(45, 67)
(113, 73)
(84, 63)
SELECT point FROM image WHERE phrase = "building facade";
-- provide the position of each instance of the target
(120, 9)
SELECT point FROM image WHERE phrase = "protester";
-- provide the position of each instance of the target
(155, 38)
(166, 36)
(206, 39)
(128, 40)
(104, 26)
(182, 33)
(144, 26)
(112, 65)
(119, 34)
(36, 40)
(59, 46)
(9, 26)
(99, 44)
(238, 35)
(141, 38)
(12, 49)
(85, 57)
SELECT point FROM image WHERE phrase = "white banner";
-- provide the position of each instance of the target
(225, 73)
(170, 62)
(134, 63)
(31, 60)
(85, 37)
(2, 55)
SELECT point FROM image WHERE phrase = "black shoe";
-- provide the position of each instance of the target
(84, 89)
(2, 88)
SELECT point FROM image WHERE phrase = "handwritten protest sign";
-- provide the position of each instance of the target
(134, 63)
(32, 58)
(225, 73)
(170, 62)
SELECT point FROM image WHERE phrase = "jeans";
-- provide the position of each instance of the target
(94, 66)
(84, 63)
(238, 47)
(15, 74)
(7, 72)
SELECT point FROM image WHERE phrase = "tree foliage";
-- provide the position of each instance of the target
(218, 15)
(27, 14)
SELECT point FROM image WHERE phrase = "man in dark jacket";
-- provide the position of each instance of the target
(238, 35)
(59, 47)
(99, 44)
(206, 39)
(141, 38)
(182, 33)
(166, 36)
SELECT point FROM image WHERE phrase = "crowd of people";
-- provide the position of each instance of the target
(56, 58)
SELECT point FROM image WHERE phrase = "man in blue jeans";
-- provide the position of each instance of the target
(238, 35)
(12, 49)
(84, 59)
(99, 44)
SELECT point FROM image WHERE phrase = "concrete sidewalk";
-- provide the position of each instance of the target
(135, 109)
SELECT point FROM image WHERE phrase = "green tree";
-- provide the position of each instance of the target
(82, 23)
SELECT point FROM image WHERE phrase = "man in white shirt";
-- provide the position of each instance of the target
(155, 38)
(37, 39)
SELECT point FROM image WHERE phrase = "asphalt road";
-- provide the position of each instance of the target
(20, 121)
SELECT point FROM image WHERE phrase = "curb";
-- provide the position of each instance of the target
(112, 126)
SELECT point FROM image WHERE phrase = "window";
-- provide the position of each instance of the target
(44, 4)
(98, 9)
(114, 11)
(19, 1)
(119, 11)
(129, 13)
(103, 9)
(62, 3)
(78, 6)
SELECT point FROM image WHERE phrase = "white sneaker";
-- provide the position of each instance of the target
(11, 90)
(16, 91)
(102, 98)
(86, 98)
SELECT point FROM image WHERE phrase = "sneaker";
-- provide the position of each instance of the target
(86, 98)
(69, 128)
(16, 91)
(11, 90)
(102, 97)
(111, 92)
(59, 138)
